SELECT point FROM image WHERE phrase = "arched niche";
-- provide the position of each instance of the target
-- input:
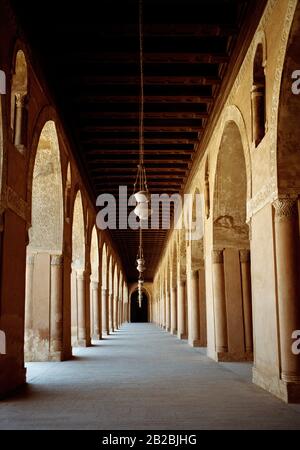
(182, 267)
(230, 194)
(104, 267)
(121, 300)
(68, 188)
(104, 290)
(78, 307)
(95, 297)
(78, 234)
(19, 91)
(231, 256)
(43, 303)
(111, 292)
(116, 297)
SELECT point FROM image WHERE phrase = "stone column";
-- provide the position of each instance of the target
(194, 328)
(28, 292)
(181, 331)
(129, 309)
(159, 312)
(96, 335)
(105, 312)
(29, 305)
(247, 301)
(168, 311)
(56, 306)
(124, 312)
(219, 301)
(20, 100)
(258, 115)
(173, 310)
(81, 324)
(116, 313)
(120, 314)
(163, 313)
(111, 311)
(288, 283)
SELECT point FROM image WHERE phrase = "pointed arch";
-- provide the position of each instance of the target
(19, 91)
(43, 334)
(78, 306)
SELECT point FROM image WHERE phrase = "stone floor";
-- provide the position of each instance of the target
(143, 378)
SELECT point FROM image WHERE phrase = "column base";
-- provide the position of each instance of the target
(234, 357)
(96, 337)
(287, 391)
(67, 354)
(56, 356)
(12, 376)
(182, 336)
(194, 343)
(168, 329)
(32, 356)
(80, 343)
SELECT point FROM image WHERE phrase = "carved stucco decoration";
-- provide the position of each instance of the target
(17, 204)
(269, 191)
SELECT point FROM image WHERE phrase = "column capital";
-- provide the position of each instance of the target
(80, 274)
(285, 208)
(257, 88)
(195, 273)
(244, 256)
(181, 283)
(95, 285)
(218, 256)
(20, 100)
(56, 260)
(30, 260)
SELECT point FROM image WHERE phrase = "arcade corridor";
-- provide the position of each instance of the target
(150, 214)
(143, 378)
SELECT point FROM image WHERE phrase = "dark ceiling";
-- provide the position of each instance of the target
(89, 54)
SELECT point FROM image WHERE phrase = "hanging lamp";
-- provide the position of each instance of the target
(141, 193)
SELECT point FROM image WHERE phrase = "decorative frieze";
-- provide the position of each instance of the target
(17, 204)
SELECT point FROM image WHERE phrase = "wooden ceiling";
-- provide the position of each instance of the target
(89, 53)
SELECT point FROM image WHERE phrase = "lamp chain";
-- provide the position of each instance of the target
(142, 86)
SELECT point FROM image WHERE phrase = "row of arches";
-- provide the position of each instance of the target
(70, 283)
(235, 290)
(93, 268)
